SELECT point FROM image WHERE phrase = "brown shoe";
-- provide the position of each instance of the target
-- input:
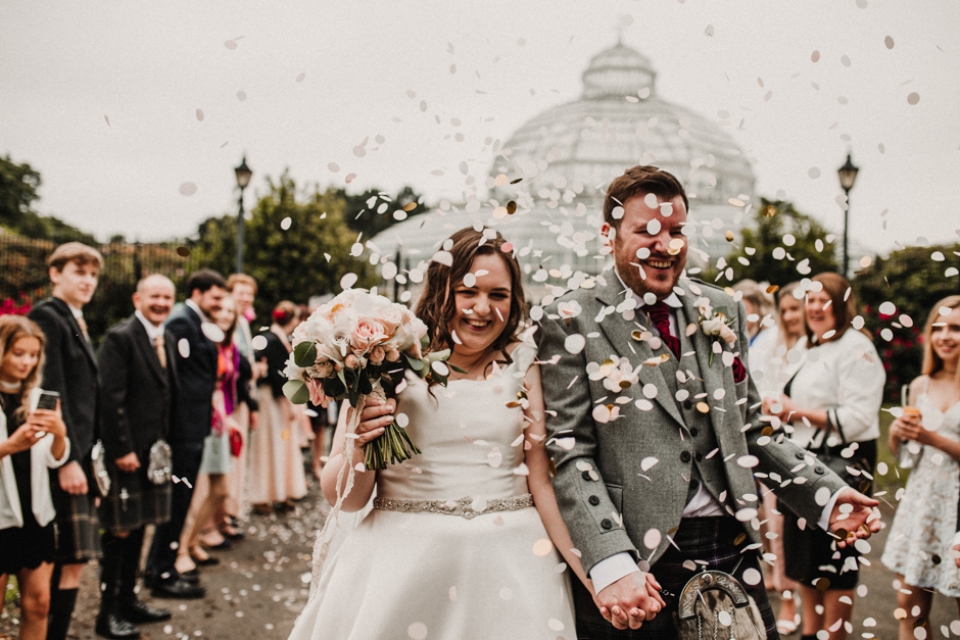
(262, 509)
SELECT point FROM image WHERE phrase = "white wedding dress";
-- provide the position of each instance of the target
(921, 537)
(405, 574)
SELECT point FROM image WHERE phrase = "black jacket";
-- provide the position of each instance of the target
(137, 394)
(196, 364)
(276, 354)
(71, 370)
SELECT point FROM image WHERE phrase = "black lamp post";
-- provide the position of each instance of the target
(848, 175)
(243, 179)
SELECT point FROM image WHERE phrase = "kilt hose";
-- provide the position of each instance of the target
(702, 540)
(133, 501)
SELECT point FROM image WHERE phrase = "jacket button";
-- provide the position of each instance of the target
(594, 500)
(801, 455)
(685, 456)
(687, 404)
(819, 471)
(586, 475)
(699, 457)
(606, 524)
(694, 431)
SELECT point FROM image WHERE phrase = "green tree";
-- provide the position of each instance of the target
(18, 192)
(779, 241)
(913, 279)
(296, 244)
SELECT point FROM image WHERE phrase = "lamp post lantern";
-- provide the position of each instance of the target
(848, 175)
(243, 179)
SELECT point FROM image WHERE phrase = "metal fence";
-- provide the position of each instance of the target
(24, 280)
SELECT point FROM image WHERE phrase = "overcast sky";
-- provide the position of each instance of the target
(105, 98)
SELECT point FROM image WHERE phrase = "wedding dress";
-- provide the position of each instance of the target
(921, 537)
(454, 547)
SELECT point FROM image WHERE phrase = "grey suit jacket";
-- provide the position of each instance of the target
(607, 499)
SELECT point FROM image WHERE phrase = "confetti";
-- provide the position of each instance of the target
(913, 98)
(188, 189)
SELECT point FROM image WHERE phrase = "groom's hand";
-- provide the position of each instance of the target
(630, 601)
(854, 516)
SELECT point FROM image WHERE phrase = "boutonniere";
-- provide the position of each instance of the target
(715, 325)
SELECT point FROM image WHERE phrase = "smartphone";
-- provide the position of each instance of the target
(48, 400)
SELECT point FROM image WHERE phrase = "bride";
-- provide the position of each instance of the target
(463, 539)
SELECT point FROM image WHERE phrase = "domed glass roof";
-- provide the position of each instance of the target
(556, 168)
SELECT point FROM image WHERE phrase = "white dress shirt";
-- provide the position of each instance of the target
(153, 330)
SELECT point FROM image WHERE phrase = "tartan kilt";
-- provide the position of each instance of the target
(77, 525)
(717, 541)
(133, 501)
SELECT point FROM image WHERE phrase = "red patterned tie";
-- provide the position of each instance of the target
(660, 316)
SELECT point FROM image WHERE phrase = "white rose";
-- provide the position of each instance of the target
(713, 326)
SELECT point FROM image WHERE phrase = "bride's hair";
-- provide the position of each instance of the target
(437, 304)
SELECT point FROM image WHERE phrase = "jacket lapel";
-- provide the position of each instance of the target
(619, 334)
(67, 313)
(148, 351)
(702, 345)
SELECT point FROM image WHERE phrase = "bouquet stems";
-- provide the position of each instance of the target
(390, 448)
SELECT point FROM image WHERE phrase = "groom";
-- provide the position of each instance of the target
(655, 426)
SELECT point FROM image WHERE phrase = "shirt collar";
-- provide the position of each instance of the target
(193, 305)
(672, 300)
(152, 330)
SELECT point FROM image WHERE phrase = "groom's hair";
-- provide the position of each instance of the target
(640, 180)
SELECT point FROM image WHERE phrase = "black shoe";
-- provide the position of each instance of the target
(192, 576)
(136, 611)
(111, 625)
(179, 588)
(223, 546)
(209, 561)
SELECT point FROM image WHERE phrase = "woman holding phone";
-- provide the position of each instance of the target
(920, 540)
(32, 441)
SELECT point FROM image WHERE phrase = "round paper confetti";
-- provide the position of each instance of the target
(652, 538)
(212, 331)
(888, 42)
(542, 547)
(348, 280)
(188, 189)
(752, 577)
(574, 344)
(259, 342)
(913, 98)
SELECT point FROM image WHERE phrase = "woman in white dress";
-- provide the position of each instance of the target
(463, 539)
(918, 546)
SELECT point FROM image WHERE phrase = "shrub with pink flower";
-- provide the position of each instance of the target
(359, 344)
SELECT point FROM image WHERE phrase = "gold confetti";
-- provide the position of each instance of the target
(410, 206)
(772, 289)
(729, 236)
(511, 207)
(703, 407)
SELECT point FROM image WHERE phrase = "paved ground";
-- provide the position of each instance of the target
(261, 584)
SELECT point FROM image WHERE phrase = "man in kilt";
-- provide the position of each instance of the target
(138, 386)
(70, 369)
(656, 429)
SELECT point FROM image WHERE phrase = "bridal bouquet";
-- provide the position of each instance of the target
(358, 345)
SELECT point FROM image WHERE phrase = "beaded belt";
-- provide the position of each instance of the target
(468, 507)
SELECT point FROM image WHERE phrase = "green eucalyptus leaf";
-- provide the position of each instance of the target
(305, 354)
(456, 368)
(296, 391)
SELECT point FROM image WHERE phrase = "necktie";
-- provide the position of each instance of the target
(660, 316)
(158, 344)
(83, 328)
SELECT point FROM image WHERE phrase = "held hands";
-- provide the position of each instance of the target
(854, 516)
(72, 479)
(128, 463)
(630, 601)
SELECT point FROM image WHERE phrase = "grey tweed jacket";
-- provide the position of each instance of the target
(609, 502)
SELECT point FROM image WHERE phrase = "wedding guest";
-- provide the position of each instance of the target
(832, 405)
(781, 363)
(139, 385)
(243, 289)
(70, 369)
(459, 539)
(922, 535)
(195, 362)
(212, 487)
(276, 462)
(32, 441)
(676, 392)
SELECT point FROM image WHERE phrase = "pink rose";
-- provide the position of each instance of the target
(367, 333)
(377, 354)
(393, 354)
(351, 362)
(317, 395)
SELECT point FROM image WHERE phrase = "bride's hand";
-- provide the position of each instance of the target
(374, 418)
